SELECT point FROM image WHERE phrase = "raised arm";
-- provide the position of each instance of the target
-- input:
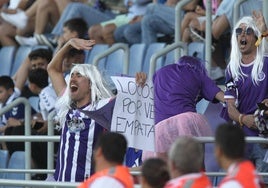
(55, 71)
(21, 75)
(260, 22)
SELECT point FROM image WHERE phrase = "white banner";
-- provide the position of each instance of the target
(133, 114)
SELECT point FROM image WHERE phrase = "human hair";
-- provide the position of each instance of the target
(113, 146)
(73, 52)
(6, 82)
(236, 56)
(187, 155)
(41, 53)
(77, 25)
(38, 77)
(155, 172)
(99, 88)
(231, 140)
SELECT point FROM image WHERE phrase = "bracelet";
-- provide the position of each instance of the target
(240, 119)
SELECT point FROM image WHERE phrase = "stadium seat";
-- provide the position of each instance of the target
(113, 66)
(34, 102)
(97, 48)
(39, 46)
(136, 58)
(6, 59)
(170, 58)
(152, 48)
(197, 49)
(21, 54)
(201, 106)
(87, 55)
(17, 161)
(4, 157)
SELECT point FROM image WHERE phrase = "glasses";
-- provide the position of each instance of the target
(248, 31)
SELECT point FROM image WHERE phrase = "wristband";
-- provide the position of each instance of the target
(265, 34)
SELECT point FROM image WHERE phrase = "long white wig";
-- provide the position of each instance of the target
(99, 89)
(236, 56)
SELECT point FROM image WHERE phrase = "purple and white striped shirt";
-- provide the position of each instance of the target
(78, 138)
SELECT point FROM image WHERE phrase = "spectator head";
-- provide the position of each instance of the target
(229, 143)
(38, 79)
(73, 57)
(74, 28)
(154, 173)
(110, 147)
(97, 88)
(40, 58)
(195, 64)
(6, 88)
(185, 156)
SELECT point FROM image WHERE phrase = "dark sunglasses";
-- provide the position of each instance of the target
(248, 31)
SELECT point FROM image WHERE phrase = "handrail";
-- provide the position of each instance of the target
(178, 19)
(208, 39)
(249, 139)
(112, 49)
(30, 138)
(44, 138)
(164, 51)
(27, 127)
(237, 10)
(32, 183)
(50, 145)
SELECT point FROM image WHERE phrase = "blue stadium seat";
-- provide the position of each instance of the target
(16, 161)
(97, 48)
(152, 48)
(6, 59)
(21, 54)
(39, 46)
(87, 55)
(4, 157)
(136, 57)
(34, 102)
(197, 49)
(115, 62)
(113, 66)
(170, 58)
(201, 106)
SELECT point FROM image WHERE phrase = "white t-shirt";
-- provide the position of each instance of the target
(231, 184)
(106, 181)
(47, 101)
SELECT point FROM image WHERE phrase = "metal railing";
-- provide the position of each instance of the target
(163, 52)
(32, 183)
(237, 10)
(51, 139)
(178, 20)
(50, 144)
(112, 49)
(27, 126)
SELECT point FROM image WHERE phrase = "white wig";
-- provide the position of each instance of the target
(236, 56)
(99, 89)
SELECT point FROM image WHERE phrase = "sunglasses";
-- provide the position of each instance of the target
(248, 31)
